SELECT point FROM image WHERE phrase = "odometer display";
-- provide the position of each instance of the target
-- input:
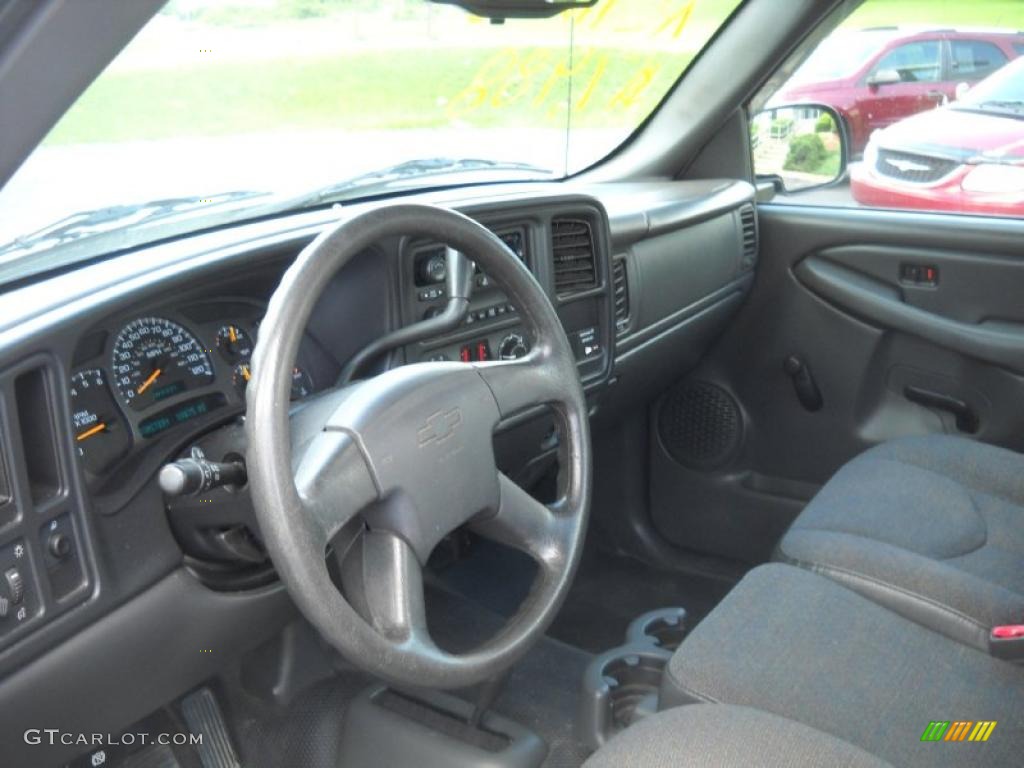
(155, 359)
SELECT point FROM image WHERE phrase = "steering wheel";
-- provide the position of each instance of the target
(373, 475)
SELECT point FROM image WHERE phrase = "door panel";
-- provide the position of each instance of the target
(919, 65)
(888, 355)
(883, 304)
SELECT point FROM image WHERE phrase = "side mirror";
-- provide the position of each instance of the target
(799, 146)
(884, 77)
(961, 90)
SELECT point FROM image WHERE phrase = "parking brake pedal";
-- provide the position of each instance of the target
(203, 716)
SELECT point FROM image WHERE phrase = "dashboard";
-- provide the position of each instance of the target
(110, 372)
(137, 378)
(165, 370)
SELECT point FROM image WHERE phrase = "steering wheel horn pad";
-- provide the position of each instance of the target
(408, 457)
(425, 435)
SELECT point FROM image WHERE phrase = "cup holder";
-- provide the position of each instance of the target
(619, 687)
(664, 628)
(631, 679)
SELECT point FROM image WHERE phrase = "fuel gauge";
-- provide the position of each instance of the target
(100, 434)
(233, 343)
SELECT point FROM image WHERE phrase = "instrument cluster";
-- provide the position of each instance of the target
(154, 374)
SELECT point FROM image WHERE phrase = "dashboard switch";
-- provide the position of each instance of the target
(512, 347)
(15, 585)
(483, 350)
(59, 545)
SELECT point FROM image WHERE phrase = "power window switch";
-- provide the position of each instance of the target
(919, 274)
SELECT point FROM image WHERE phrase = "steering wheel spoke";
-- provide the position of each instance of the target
(333, 481)
(520, 384)
(384, 581)
(544, 532)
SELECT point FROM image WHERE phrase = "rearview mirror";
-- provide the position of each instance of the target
(884, 77)
(499, 10)
(798, 146)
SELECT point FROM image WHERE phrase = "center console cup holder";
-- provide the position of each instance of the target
(665, 628)
(621, 685)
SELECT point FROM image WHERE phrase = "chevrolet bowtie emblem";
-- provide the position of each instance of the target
(439, 427)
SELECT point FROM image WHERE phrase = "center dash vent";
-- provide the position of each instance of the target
(572, 244)
(748, 223)
(620, 294)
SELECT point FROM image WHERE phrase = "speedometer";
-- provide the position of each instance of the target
(155, 359)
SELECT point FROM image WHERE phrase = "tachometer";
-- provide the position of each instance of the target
(155, 359)
(100, 435)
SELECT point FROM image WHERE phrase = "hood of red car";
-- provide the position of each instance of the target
(958, 133)
(804, 91)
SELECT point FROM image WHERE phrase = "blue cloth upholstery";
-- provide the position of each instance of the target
(726, 737)
(800, 646)
(931, 527)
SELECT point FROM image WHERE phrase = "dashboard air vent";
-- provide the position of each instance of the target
(748, 221)
(572, 244)
(620, 294)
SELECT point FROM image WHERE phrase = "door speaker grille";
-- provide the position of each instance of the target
(700, 425)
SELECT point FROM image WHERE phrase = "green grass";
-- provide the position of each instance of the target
(829, 167)
(964, 13)
(365, 91)
(429, 88)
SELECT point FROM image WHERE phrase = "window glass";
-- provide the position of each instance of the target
(221, 110)
(928, 99)
(916, 63)
(973, 59)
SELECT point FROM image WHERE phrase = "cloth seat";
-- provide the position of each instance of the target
(801, 646)
(931, 527)
(717, 736)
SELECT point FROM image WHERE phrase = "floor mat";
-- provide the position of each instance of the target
(541, 694)
(542, 691)
(611, 590)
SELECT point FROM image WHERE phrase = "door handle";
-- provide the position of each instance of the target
(882, 305)
(966, 417)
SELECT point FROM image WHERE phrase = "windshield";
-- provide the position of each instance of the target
(1005, 88)
(219, 110)
(843, 58)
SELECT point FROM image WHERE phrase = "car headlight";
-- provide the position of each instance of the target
(871, 154)
(995, 179)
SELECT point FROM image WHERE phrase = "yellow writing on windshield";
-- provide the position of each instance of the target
(620, 50)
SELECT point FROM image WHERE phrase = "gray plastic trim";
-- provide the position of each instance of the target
(149, 651)
(882, 305)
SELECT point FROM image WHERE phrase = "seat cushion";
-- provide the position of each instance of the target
(804, 647)
(932, 527)
(716, 736)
